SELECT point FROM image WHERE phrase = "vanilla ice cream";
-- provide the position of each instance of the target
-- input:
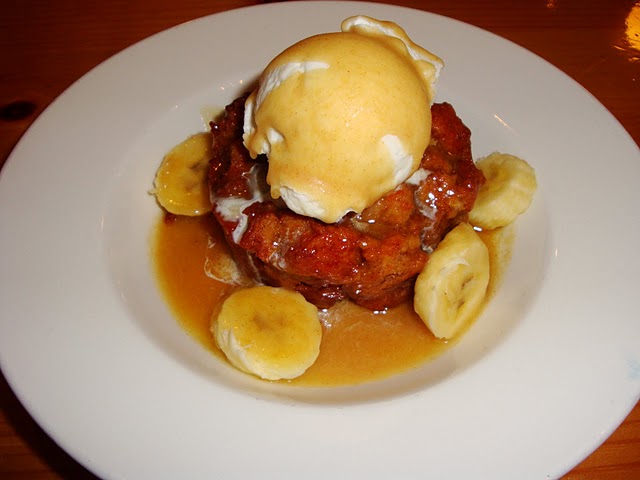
(343, 117)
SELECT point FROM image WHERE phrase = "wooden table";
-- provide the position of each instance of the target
(45, 45)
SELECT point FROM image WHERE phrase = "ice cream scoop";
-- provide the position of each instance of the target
(343, 117)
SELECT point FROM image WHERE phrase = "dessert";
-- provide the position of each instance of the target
(371, 258)
(343, 117)
(339, 179)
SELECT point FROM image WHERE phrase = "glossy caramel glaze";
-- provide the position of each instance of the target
(371, 258)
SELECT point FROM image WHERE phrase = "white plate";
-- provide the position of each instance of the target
(90, 348)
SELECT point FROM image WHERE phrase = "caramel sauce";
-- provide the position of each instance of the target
(357, 345)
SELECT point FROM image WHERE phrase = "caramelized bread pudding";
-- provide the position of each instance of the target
(371, 258)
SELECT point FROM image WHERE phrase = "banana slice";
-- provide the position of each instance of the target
(181, 181)
(452, 286)
(507, 193)
(269, 332)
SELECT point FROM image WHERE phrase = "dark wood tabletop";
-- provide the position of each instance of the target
(45, 45)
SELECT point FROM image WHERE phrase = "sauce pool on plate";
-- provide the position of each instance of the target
(357, 345)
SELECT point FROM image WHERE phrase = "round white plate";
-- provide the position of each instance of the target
(90, 348)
